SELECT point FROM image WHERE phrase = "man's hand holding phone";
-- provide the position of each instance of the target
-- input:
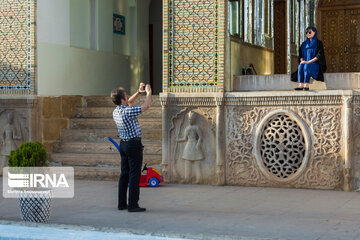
(141, 88)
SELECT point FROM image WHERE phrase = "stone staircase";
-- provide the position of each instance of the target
(84, 145)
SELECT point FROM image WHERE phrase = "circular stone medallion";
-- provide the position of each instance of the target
(282, 145)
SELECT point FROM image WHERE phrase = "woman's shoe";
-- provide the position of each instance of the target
(299, 88)
(306, 89)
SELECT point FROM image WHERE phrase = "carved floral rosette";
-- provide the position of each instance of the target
(318, 130)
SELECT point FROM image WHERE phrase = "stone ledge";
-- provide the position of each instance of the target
(9, 101)
(279, 82)
(261, 98)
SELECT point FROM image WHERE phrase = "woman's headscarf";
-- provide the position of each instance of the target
(310, 47)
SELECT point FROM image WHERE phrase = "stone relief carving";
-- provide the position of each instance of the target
(13, 131)
(356, 145)
(326, 166)
(240, 161)
(192, 146)
(324, 169)
(192, 154)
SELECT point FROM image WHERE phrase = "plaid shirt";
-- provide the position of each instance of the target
(126, 121)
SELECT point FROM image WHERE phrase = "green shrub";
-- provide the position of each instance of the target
(29, 154)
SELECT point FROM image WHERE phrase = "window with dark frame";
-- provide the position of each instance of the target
(236, 18)
(252, 21)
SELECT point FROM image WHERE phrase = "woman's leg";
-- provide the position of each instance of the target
(301, 73)
(300, 77)
(310, 70)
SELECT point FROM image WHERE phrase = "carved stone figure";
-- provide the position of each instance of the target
(7, 137)
(192, 152)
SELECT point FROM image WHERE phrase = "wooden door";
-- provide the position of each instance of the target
(352, 40)
(340, 33)
(332, 32)
(280, 37)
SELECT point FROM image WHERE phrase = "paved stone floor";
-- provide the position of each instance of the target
(210, 212)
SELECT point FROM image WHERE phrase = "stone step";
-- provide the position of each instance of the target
(105, 101)
(103, 123)
(97, 173)
(281, 82)
(107, 112)
(96, 160)
(100, 135)
(150, 147)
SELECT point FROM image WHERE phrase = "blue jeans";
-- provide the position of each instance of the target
(131, 153)
(305, 71)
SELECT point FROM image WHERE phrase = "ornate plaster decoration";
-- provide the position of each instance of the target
(325, 168)
(241, 168)
(356, 99)
(284, 100)
(198, 100)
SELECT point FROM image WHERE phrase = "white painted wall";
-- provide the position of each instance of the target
(80, 23)
(105, 25)
(67, 66)
(65, 70)
(126, 44)
(53, 21)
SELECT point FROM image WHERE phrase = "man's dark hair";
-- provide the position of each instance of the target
(117, 94)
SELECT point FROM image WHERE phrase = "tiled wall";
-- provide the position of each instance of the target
(194, 45)
(18, 47)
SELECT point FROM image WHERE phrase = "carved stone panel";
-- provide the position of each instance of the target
(316, 163)
(192, 145)
(241, 168)
(356, 145)
(14, 129)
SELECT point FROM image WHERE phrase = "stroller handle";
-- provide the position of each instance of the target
(115, 143)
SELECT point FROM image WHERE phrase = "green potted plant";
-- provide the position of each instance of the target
(34, 205)
(246, 70)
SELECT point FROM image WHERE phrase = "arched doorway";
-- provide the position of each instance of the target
(339, 29)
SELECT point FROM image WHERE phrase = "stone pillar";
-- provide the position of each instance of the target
(193, 76)
(347, 141)
(165, 138)
(220, 137)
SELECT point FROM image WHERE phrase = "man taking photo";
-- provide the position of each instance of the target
(131, 148)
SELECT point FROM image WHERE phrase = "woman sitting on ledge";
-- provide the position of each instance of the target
(312, 60)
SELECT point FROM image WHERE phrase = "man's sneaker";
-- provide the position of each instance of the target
(139, 209)
(123, 207)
